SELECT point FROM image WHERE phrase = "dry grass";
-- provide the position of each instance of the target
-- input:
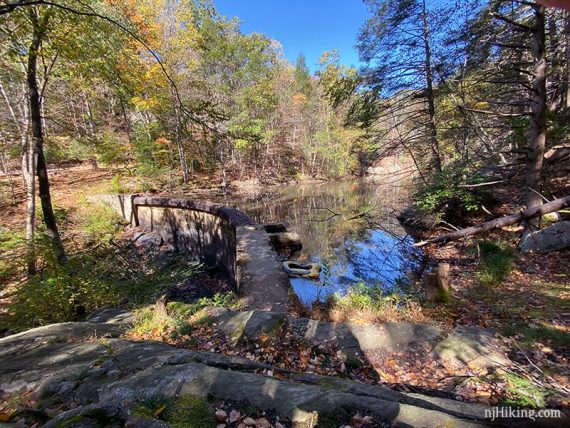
(367, 306)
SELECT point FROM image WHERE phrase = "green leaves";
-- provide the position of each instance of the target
(445, 189)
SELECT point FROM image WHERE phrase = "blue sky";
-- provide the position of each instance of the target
(308, 26)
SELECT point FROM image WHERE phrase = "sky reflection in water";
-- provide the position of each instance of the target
(372, 249)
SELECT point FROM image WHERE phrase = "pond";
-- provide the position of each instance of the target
(348, 227)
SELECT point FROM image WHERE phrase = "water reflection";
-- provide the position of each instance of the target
(348, 227)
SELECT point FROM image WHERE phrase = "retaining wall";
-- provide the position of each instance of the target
(204, 230)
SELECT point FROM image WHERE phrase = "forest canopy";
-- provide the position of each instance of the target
(458, 93)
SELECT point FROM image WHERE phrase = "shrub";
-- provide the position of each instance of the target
(111, 150)
(186, 411)
(116, 185)
(101, 223)
(444, 190)
(90, 280)
(62, 149)
(12, 247)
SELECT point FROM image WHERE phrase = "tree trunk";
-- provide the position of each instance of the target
(29, 175)
(567, 34)
(178, 138)
(39, 28)
(528, 214)
(3, 158)
(436, 157)
(126, 119)
(537, 131)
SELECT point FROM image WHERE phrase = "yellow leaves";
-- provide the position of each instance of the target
(155, 86)
(482, 105)
(242, 144)
(159, 411)
(299, 99)
(6, 415)
(144, 103)
(155, 76)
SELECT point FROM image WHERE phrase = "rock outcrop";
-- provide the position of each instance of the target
(104, 376)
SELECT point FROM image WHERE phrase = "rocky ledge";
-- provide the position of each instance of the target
(94, 375)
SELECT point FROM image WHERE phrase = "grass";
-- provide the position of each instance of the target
(370, 305)
(186, 411)
(101, 223)
(523, 393)
(496, 260)
(180, 318)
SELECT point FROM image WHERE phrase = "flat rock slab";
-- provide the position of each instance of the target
(354, 338)
(263, 283)
(112, 316)
(471, 346)
(62, 332)
(463, 346)
(108, 377)
(118, 373)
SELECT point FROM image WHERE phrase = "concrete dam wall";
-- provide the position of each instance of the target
(204, 230)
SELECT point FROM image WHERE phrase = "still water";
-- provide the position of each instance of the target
(349, 227)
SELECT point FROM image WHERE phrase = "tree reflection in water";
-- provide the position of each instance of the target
(349, 227)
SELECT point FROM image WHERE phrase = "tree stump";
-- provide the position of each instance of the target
(443, 276)
(436, 283)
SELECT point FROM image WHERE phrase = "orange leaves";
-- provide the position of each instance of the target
(299, 99)
(6, 414)
(138, 16)
(163, 142)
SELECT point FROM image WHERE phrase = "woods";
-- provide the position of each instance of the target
(408, 178)
(164, 91)
(161, 91)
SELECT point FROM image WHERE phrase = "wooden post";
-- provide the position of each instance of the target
(443, 276)
(436, 283)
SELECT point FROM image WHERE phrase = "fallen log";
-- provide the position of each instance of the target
(529, 213)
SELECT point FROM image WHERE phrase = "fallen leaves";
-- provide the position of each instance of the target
(235, 419)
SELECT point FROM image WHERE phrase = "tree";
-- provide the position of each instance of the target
(397, 44)
(40, 21)
(513, 33)
(537, 132)
(302, 76)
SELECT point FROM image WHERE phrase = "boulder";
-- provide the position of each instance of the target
(253, 325)
(148, 240)
(552, 238)
(112, 316)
